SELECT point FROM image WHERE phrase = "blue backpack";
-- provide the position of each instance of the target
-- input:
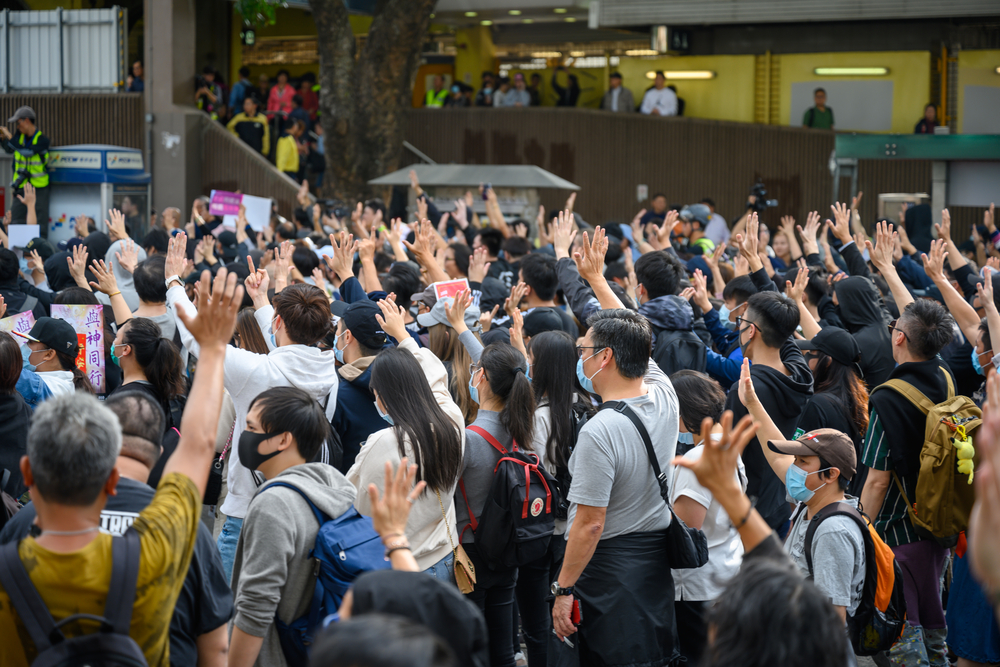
(346, 546)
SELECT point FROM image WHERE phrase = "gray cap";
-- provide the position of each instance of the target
(698, 212)
(439, 314)
(23, 112)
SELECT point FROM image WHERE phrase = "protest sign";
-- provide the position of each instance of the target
(21, 235)
(88, 322)
(227, 205)
(450, 287)
(20, 323)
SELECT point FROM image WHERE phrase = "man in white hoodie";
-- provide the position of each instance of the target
(299, 318)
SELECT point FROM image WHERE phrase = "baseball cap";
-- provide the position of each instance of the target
(228, 242)
(69, 244)
(58, 335)
(359, 318)
(541, 320)
(42, 247)
(23, 112)
(698, 212)
(829, 444)
(439, 314)
(428, 297)
(836, 343)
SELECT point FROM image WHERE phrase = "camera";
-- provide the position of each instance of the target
(761, 203)
(200, 82)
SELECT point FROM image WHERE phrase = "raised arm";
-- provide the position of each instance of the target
(423, 249)
(590, 264)
(366, 251)
(881, 254)
(964, 314)
(810, 327)
(788, 227)
(986, 297)
(767, 430)
(107, 284)
(212, 327)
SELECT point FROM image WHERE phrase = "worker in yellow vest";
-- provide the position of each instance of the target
(31, 157)
(435, 98)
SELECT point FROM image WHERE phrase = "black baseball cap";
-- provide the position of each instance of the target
(42, 247)
(228, 242)
(836, 343)
(829, 444)
(541, 320)
(359, 318)
(58, 335)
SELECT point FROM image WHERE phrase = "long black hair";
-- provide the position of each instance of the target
(842, 382)
(554, 354)
(435, 438)
(505, 371)
(159, 359)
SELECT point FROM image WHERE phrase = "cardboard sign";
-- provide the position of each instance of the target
(227, 205)
(21, 235)
(88, 322)
(450, 288)
(21, 323)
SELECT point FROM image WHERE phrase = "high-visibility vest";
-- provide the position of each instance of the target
(436, 100)
(32, 164)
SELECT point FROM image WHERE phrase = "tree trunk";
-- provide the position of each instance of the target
(364, 96)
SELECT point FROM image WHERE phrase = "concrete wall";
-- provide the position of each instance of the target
(978, 91)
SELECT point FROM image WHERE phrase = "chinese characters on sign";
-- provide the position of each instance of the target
(21, 323)
(88, 322)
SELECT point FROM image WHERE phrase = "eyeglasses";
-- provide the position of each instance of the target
(473, 367)
(581, 348)
(893, 329)
(740, 320)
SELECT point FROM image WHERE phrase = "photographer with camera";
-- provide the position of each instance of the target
(31, 156)
(757, 203)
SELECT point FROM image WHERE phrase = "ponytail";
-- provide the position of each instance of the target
(506, 372)
(158, 357)
(80, 381)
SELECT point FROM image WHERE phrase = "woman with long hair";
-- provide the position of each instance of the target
(445, 344)
(150, 364)
(247, 335)
(425, 425)
(840, 397)
(499, 385)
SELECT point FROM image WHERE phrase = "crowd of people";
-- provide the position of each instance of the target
(468, 440)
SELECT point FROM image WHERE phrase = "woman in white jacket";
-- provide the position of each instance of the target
(411, 393)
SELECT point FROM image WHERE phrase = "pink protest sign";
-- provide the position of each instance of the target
(450, 288)
(225, 203)
(88, 322)
(21, 323)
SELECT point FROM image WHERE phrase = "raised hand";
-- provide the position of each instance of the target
(29, 197)
(128, 256)
(882, 252)
(989, 220)
(282, 265)
(797, 291)
(748, 243)
(3, 308)
(478, 266)
(985, 290)
(944, 229)
(391, 320)
(366, 246)
(256, 285)
(517, 332)
(747, 394)
(461, 214)
(342, 261)
(590, 259)
(842, 222)
(513, 302)
(78, 265)
(984, 522)
(571, 202)
(663, 233)
(456, 311)
(564, 233)
(218, 304)
(700, 283)
(176, 256)
(391, 511)
(713, 259)
(934, 264)
(415, 182)
(116, 226)
(106, 282)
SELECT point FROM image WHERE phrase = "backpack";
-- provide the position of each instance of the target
(518, 518)
(345, 547)
(581, 413)
(111, 646)
(26, 307)
(878, 621)
(677, 350)
(940, 510)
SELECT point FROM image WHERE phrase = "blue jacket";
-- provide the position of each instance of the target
(355, 417)
(32, 388)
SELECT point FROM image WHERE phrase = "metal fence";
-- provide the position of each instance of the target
(609, 155)
(229, 164)
(58, 51)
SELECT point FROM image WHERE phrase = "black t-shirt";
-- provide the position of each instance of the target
(205, 602)
(503, 272)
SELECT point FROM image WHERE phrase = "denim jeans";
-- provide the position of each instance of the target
(444, 569)
(228, 539)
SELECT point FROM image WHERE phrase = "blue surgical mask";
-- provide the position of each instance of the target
(337, 352)
(474, 390)
(274, 343)
(25, 356)
(795, 483)
(724, 314)
(383, 415)
(975, 361)
(586, 382)
(685, 438)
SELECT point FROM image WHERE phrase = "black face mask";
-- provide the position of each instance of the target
(249, 442)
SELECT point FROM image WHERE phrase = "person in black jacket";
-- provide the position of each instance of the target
(251, 126)
(568, 96)
(18, 293)
(15, 418)
(863, 315)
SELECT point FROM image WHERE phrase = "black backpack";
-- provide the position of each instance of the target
(677, 350)
(111, 646)
(518, 517)
(581, 413)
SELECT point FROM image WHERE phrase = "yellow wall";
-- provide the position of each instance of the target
(975, 68)
(910, 72)
(475, 55)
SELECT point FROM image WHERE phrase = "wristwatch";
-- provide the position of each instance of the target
(173, 278)
(557, 591)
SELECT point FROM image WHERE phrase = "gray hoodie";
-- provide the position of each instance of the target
(273, 571)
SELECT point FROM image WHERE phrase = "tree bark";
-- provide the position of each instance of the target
(364, 94)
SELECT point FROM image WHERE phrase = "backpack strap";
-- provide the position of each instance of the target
(29, 304)
(4, 479)
(125, 553)
(472, 517)
(24, 596)
(833, 509)
(622, 408)
(483, 433)
(912, 394)
(322, 518)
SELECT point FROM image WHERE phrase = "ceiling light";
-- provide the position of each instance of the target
(515, 12)
(471, 15)
(684, 74)
(486, 22)
(642, 52)
(527, 20)
(546, 54)
(851, 71)
(570, 19)
(559, 10)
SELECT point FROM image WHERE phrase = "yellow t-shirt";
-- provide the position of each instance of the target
(77, 582)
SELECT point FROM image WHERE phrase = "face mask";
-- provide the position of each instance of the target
(487, 90)
(743, 346)
(26, 353)
(527, 374)
(115, 359)
(383, 415)
(975, 361)
(724, 314)
(249, 456)
(586, 382)
(337, 352)
(474, 390)
(685, 438)
(795, 482)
